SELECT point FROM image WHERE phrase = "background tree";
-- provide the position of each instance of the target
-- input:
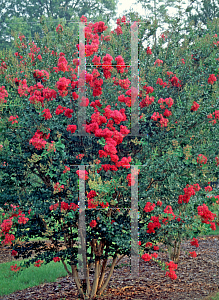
(202, 11)
(24, 16)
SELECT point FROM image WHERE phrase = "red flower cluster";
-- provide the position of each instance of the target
(67, 169)
(172, 267)
(163, 121)
(58, 188)
(80, 156)
(91, 194)
(169, 101)
(68, 112)
(38, 140)
(194, 242)
(59, 28)
(195, 106)
(120, 64)
(149, 207)
(149, 52)
(216, 117)
(158, 62)
(188, 192)
(148, 245)
(38, 263)
(62, 64)
(118, 30)
(169, 210)
(159, 203)
(6, 225)
(22, 219)
(71, 128)
(14, 253)
(62, 86)
(55, 259)
(64, 206)
(13, 119)
(123, 20)
(146, 101)
(93, 224)
(175, 81)
(155, 224)
(15, 268)
(208, 188)
(206, 215)
(201, 159)
(46, 114)
(43, 75)
(8, 239)
(3, 94)
(212, 78)
(146, 257)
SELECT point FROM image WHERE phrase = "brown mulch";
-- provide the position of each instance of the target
(196, 278)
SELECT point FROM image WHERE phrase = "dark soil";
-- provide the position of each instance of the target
(197, 278)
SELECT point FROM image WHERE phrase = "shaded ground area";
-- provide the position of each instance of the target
(197, 278)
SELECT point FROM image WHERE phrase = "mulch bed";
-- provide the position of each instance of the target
(196, 278)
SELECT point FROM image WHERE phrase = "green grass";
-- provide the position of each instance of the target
(32, 276)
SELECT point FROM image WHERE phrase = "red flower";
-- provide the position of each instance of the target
(55, 259)
(71, 128)
(212, 78)
(148, 245)
(46, 114)
(193, 254)
(196, 187)
(64, 206)
(14, 253)
(167, 113)
(155, 255)
(149, 207)
(156, 248)
(38, 263)
(93, 223)
(195, 106)
(208, 188)
(149, 52)
(194, 242)
(59, 28)
(158, 62)
(159, 203)
(15, 268)
(73, 206)
(67, 169)
(13, 119)
(57, 187)
(201, 159)
(54, 206)
(146, 257)
(213, 226)
(68, 112)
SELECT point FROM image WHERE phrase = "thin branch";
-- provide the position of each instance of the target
(67, 270)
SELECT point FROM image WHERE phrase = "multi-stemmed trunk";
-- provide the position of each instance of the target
(86, 291)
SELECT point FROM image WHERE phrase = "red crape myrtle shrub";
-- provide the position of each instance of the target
(40, 140)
